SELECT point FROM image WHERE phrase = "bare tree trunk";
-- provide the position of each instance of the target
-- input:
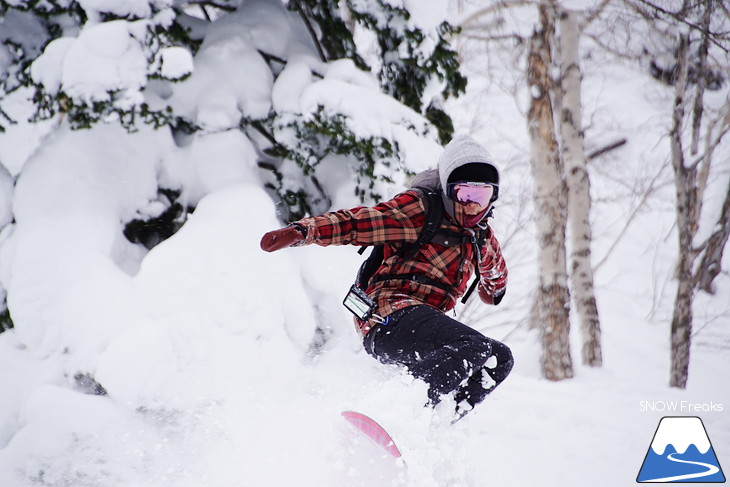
(551, 205)
(579, 192)
(701, 79)
(691, 178)
(684, 178)
(711, 263)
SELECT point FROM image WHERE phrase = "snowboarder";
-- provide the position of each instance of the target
(419, 279)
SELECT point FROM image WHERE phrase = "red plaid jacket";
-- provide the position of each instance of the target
(397, 222)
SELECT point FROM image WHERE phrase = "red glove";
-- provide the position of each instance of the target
(489, 298)
(282, 238)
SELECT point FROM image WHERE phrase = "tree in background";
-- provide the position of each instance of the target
(409, 60)
(412, 60)
(153, 44)
(551, 203)
(559, 166)
(263, 69)
(579, 186)
(697, 51)
(684, 45)
(146, 33)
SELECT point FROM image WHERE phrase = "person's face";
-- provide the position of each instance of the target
(471, 194)
(471, 200)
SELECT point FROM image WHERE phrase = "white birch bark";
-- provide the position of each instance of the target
(681, 330)
(551, 207)
(579, 198)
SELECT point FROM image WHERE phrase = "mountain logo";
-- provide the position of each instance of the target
(681, 452)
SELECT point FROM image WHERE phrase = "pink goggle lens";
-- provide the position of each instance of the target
(465, 193)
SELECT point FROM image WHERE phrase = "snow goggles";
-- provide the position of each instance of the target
(465, 193)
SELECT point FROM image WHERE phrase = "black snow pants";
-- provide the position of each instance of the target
(448, 355)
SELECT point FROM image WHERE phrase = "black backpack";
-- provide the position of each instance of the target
(431, 232)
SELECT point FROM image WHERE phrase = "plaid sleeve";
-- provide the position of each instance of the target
(396, 220)
(493, 268)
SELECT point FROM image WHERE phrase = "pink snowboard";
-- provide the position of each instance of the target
(372, 430)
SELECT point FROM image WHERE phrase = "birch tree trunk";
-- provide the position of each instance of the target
(551, 204)
(579, 188)
(684, 178)
(690, 184)
(695, 66)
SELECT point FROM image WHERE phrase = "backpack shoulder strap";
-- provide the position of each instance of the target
(434, 214)
(481, 241)
(432, 221)
(369, 267)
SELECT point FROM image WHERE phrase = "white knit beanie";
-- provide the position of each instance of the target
(460, 151)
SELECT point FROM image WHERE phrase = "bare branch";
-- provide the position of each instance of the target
(272, 58)
(205, 12)
(608, 148)
(712, 36)
(620, 54)
(653, 188)
(7, 118)
(209, 3)
(593, 14)
(260, 129)
(519, 39)
(495, 8)
(310, 29)
(724, 8)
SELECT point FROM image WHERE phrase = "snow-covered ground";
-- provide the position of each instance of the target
(206, 345)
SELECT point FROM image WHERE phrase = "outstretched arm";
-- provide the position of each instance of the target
(396, 220)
